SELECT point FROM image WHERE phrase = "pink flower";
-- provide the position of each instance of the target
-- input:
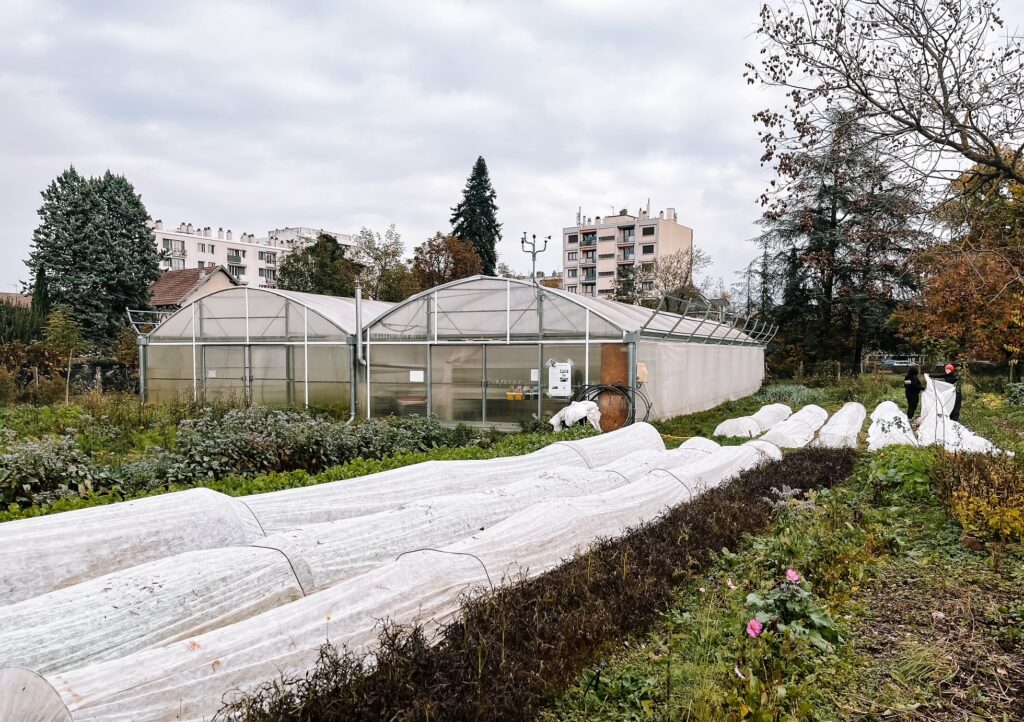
(754, 628)
(702, 590)
(728, 583)
(793, 575)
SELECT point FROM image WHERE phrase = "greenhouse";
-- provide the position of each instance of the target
(481, 350)
(261, 346)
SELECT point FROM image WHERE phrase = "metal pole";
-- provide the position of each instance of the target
(143, 359)
(305, 353)
(586, 352)
(531, 248)
(195, 381)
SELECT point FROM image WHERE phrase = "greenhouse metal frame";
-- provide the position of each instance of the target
(480, 350)
(539, 326)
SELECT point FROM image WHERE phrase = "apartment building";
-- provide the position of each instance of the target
(249, 259)
(596, 249)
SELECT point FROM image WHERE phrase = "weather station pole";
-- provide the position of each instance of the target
(531, 248)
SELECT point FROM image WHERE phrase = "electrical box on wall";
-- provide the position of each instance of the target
(641, 373)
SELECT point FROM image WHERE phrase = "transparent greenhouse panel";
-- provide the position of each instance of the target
(398, 380)
(457, 382)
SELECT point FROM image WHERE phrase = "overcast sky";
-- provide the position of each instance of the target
(339, 115)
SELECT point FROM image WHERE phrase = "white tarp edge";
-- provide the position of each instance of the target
(764, 419)
(889, 427)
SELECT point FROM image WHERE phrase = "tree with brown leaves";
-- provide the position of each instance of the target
(443, 259)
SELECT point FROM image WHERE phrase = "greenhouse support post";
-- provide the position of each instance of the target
(143, 358)
(631, 380)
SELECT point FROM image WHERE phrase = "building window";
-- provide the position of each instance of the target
(209, 248)
(648, 249)
(606, 238)
(606, 273)
(268, 257)
(606, 256)
(573, 273)
(236, 271)
(202, 248)
(588, 256)
(647, 285)
(174, 247)
(235, 254)
(574, 255)
(268, 274)
(177, 264)
(648, 230)
(572, 238)
(627, 254)
(201, 264)
(628, 234)
(571, 289)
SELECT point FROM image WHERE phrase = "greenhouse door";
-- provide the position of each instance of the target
(224, 373)
(457, 382)
(270, 375)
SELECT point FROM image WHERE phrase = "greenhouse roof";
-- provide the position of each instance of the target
(485, 307)
(241, 313)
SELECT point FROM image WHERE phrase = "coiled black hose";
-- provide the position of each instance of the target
(635, 399)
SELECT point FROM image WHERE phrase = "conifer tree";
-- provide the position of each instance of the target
(95, 252)
(475, 219)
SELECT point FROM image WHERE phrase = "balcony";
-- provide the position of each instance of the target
(588, 277)
(175, 252)
(589, 241)
(588, 262)
(625, 242)
(623, 258)
(234, 259)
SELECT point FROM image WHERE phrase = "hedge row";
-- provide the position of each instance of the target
(512, 648)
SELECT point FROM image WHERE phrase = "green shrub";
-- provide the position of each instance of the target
(1015, 394)
(41, 471)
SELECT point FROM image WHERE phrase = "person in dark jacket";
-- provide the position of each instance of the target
(912, 387)
(951, 377)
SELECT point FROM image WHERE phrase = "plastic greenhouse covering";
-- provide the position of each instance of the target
(799, 429)
(55, 551)
(843, 429)
(889, 427)
(756, 424)
(109, 617)
(189, 676)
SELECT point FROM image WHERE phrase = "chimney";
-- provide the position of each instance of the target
(207, 232)
(672, 214)
(159, 224)
(220, 234)
(181, 227)
(661, 215)
(188, 228)
(228, 235)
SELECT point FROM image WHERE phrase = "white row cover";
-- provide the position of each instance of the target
(52, 552)
(797, 431)
(186, 594)
(764, 419)
(889, 427)
(936, 428)
(188, 679)
(843, 429)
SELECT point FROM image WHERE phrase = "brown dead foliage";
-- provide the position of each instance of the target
(511, 649)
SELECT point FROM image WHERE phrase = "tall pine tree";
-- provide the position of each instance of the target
(475, 219)
(95, 251)
(842, 238)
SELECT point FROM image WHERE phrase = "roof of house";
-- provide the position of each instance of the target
(173, 287)
(16, 299)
